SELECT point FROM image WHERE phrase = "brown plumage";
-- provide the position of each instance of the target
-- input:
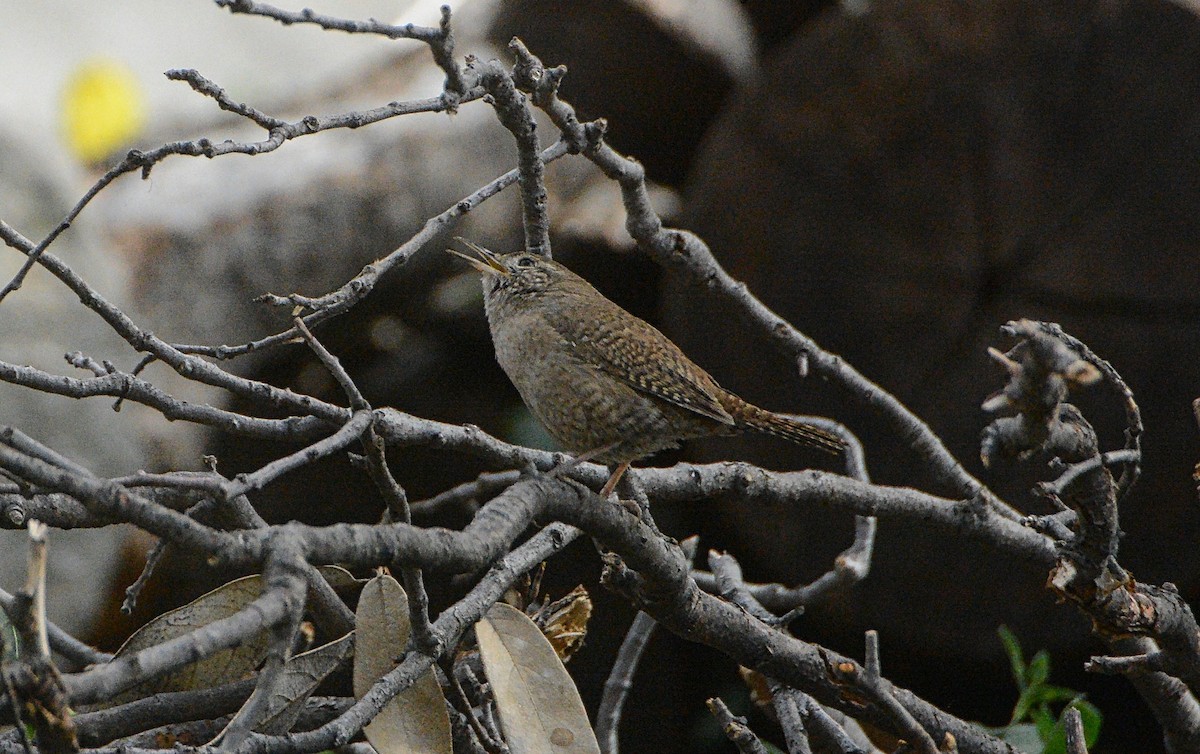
(605, 383)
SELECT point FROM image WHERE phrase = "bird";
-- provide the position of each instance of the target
(607, 385)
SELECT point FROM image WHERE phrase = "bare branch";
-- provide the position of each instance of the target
(450, 625)
(1073, 725)
(32, 682)
(791, 721)
(62, 642)
(790, 703)
(735, 728)
(440, 40)
(209, 89)
(283, 575)
(108, 499)
(1042, 367)
(643, 565)
(515, 114)
(683, 250)
(620, 681)
(871, 683)
(850, 567)
(620, 677)
(348, 434)
(1133, 414)
(105, 681)
(467, 495)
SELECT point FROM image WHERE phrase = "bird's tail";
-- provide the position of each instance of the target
(761, 420)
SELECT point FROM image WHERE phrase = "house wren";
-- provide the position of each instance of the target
(607, 385)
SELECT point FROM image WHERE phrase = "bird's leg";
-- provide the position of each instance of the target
(611, 484)
(581, 458)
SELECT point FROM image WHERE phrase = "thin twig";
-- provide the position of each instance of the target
(460, 700)
(1075, 470)
(727, 573)
(334, 367)
(186, 365)
(134, 590)
(341, 300)
(620, 679)
(790, 720)
(209, 89)
(439, 39)
(280, 133)
(397, 511)
(1133, 414)
(33, 684)
(346, 435)
(472, 493)
(735, 728)
(283, 573)
(393, 493)
(62, 642)
(870, 681)
(18, 440)
(822, 725)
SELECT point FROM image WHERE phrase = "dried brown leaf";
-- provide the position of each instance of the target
(298, 680)
(227, 665)
(540, 708)
(564, 621)
(415, 721)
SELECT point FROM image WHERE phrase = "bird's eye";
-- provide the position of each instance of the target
(526, 262)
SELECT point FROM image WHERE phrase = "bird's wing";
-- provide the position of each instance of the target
(636, 353)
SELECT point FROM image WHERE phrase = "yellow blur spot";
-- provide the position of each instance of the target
(102, 109)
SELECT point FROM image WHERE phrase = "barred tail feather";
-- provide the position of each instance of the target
(791, 429)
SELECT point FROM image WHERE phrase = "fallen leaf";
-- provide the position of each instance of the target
(298, 680)
(415, 721)
(564, 621)
(540, 709)
(225, 666)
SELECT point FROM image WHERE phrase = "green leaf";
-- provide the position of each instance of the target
(1092, 720)
(1039, 669)
(1056, 738)
(1045, 721)
(1025, 702)
(1055, 735)
(1034, 728)
(1012, 648)
(1056, 741)
(1048, 693)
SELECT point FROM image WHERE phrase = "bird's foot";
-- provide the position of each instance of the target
(631, 506)
(614, 479)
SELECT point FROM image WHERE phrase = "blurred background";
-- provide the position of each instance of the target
(897, 178)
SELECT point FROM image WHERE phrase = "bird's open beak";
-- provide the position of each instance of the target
(487, 262)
